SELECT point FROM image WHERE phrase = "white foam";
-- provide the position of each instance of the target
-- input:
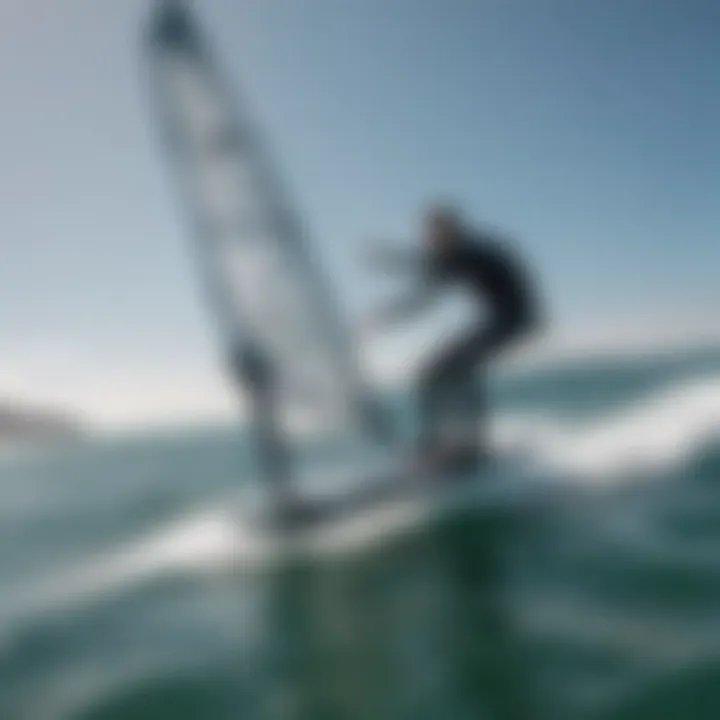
(190, 543)
(651, 436)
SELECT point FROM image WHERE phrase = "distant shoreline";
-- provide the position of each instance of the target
(20, 423)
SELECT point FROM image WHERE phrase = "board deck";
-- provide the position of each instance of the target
(397, 498)
(405, 480)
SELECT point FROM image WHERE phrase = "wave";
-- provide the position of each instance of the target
(646, 439)
(652, 436)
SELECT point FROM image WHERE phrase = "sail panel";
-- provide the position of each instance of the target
(266, 290)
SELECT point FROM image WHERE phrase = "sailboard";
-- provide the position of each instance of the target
(266, 289)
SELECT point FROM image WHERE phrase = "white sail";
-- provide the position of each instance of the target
(267, 291)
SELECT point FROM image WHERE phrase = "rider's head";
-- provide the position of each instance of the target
(442, 227)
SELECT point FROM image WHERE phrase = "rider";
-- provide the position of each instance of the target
(453, 254)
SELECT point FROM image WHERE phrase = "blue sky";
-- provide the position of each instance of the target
(587, 129)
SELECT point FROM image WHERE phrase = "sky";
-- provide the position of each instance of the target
(585, 130)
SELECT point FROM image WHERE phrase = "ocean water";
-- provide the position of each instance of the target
(126, 590)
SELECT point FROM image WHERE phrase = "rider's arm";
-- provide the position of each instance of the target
(405, 306)
(395, 259)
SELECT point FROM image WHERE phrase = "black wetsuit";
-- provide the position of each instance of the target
(449, 390)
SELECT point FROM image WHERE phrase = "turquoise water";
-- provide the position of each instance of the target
(125, 593)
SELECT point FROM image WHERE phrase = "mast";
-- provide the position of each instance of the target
(276, 312)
